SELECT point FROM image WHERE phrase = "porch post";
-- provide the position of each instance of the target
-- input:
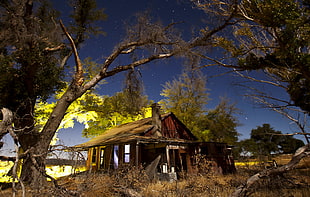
(168, 158)
(137, 154)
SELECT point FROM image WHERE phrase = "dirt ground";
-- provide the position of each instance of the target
(133, 182)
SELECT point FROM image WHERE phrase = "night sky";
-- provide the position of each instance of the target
(154, 75)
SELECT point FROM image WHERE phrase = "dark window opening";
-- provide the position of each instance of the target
(94, 154)
(102, 158)
(115, 156)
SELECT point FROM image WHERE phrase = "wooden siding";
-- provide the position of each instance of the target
(172, 128)
(176, 158)
(176, 146)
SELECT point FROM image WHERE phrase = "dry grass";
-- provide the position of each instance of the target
(134, 182)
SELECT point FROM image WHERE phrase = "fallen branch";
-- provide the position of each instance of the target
(300, 153)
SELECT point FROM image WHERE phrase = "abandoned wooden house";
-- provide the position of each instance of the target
(162, 139)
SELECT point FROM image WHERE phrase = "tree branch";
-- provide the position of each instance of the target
(54, 48)
(216, 62)
(261, 81)
(104, 74)
(136, 63)
(296, 121)
(198, 41)
(299, 154)
(78, 79)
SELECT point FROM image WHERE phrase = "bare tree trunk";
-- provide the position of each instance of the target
(34, 163)
(300, 153)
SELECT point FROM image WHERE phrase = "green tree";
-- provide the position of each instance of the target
(288, 144)
(113, 111)
(83, 110)
(245, 148)
(33, 56)
(126, 106)
(268, 35)
(266, 139)
(285, 53)
(221, 123)
(186, 97)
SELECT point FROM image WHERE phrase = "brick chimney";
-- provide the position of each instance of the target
(156, 119)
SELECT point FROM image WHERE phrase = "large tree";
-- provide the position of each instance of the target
(270, 36)
(221, 123)
(266, 139)
(187, 97)
(33, 56)
(267, 35)
(34, 50)
(126, 106)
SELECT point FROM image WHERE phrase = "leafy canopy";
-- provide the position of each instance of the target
(221, 123)
(274, 35)
(186, 97)
(265, 140)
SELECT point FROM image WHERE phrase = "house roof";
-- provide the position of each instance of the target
(129, 132)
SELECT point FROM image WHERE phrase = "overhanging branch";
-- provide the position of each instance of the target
(78, 79)
(136, 63)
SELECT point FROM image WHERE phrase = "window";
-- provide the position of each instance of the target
(94, 154)
(127, 153)
(101, 157)
(115, 156)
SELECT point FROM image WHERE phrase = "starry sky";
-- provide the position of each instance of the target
(154, 75)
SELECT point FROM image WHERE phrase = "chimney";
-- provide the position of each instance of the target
(156, 119)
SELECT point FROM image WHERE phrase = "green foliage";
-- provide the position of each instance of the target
(221, 123)
(97, 113)
(274, 36)
(85, 12)
(77, 112)
(245, 147)
(29, 63)
(265, 140)
(113, 111)
(289, 144)
(24, 62)
(126, 106)
(186, 97)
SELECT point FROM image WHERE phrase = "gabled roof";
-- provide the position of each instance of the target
(128, 132)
